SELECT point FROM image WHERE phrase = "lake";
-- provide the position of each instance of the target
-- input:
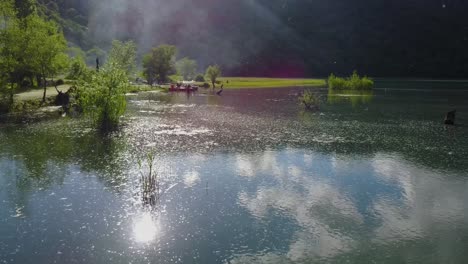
(246, 177)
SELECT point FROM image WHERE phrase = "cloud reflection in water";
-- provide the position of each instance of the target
(340, 210)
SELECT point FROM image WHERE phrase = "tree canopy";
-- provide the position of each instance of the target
(212, 73)
(187, 68)
(45, 48)
(159, 63)
(123, 56)
(30, 46)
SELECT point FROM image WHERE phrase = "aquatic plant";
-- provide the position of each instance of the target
(353, 82)
(149, 181)
(309, 100)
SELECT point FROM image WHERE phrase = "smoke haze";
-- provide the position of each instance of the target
(292, 38)
(209, 31)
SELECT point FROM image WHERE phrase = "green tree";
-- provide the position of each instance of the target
(123, 56)
(24, 7)
(10, 37)
(45, 48)
(77, 68)
(159, 63)
(149, 70)
(102, 95)
(212, 73)
(187, 68)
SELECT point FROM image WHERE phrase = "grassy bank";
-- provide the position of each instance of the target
(37, 93)
(253, 82)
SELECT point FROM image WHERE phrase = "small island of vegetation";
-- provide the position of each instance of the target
(353, 82)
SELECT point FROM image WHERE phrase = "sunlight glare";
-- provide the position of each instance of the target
(145, 228)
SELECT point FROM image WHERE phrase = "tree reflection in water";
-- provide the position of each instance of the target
(356, 98)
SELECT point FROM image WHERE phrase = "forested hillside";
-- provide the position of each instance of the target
(411, 38)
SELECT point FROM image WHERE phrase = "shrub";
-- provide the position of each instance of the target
(309, 100)
(102, 96)
(353, 82)
(77, 68)
(199, 78)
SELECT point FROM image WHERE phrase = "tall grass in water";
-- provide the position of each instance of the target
(149, 181)
(353, 82)
(309, 100)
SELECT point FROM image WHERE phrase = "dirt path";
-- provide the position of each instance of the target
(37, 93)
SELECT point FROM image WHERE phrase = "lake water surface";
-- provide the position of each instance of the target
(247, 177)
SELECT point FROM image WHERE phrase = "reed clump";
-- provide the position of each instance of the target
(149, 181)
(353, 82)
(309, 100)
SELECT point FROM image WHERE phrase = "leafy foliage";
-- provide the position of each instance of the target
(353, 82)
(102, 95)
(200, 78)
(212, 73)
(30, 46)
(187, 68)
(123, 56)
(159, 63)
(71, 15)
(45, 48)
(78, 68)
(10, 37)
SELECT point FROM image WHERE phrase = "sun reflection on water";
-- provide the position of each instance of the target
(145, 228)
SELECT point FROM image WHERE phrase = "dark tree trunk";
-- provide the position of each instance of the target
(12, 94)
(31, 79)
(45, 89)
